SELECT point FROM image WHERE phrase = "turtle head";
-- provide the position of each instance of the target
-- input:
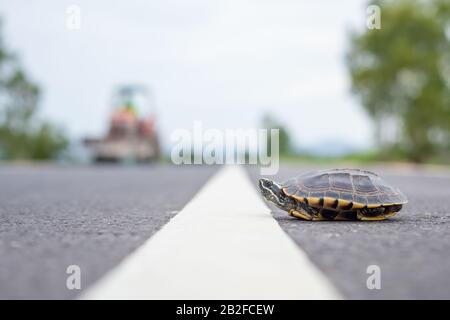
(272, 192)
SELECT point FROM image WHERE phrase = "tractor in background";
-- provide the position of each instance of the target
(132, 135)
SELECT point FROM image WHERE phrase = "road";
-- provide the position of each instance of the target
(53, 217)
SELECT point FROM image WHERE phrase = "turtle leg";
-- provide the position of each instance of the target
(365, 218)
(373, 214)
(346, 216)
(392, 210)
(300, 215)
(326, 214)
(389, 214)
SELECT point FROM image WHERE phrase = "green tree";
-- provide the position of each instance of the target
(22, 135)
(285, 148)
(401, 73)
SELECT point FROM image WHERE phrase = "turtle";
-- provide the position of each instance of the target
(335, 194)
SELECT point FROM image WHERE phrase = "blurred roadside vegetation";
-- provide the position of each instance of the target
(401, 74)
(285, 147)
(23, 135)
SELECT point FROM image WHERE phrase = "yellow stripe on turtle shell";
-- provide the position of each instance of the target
(395, 203)
(313, 201)
(328, 202)
(298, 198)
(343, 203)
(358, 205)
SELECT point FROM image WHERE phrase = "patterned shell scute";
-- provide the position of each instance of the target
(352, 185)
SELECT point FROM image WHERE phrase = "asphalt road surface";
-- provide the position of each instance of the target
(51, 218)
(94, 217)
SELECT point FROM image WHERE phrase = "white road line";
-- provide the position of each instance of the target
(223, 245)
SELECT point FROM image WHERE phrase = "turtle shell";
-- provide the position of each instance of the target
(343, 189)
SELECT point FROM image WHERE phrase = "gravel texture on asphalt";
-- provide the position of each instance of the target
(93, 217)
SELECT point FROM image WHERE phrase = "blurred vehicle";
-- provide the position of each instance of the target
(132, 133)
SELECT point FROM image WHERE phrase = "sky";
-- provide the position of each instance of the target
(224, 62)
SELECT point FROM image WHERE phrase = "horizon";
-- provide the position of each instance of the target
(225, 63)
